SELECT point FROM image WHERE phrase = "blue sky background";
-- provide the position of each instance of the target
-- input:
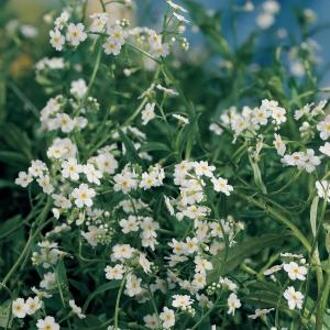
(151, 9)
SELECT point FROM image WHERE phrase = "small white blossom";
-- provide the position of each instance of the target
(24, 179)
(76, 34)
(57, 39)
(48, 323)
(114, 273)
(167, 317)
(78, 88)
(233, 303)
(295, 272)
(295, 298)
(83, 195)
(148, 113)
(76, 309)
(19, 308)
(221, 185)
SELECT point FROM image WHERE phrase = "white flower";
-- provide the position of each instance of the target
(61, 20)
(199, 281)
(233, 303)
(260, 313)
(83, 195)
(76, 309)
(191, 245)
(203, 168)
(295, 298)
(65, 122)
(183, 120)
(145, 263)
(57, 40)
(19, 308)
(325, 149)
(151, 321)
(76, 34)
(181, 301)
(272, 270)
(148, 113)
(92, 174)
(167, 317)
(228, 284)
(148, 180)
(133, 285)
(202, 265)
(71, 169)
(112, 47)
(303, 160)
(106, 163)
(121, 251)
(37, 168)
(117, 34)
(169, 205)
(129, 225)
(48, 281)
(99, 21)
(295, 272)
(125, 181)
(44, 183)
(114, 273)
(278, 114)
(168, 91)
(265, 20)
(48, 323)
(93, 234)
(279, 144)
(221, 185)
(271, 6)
(324, 128)
(216, 129)
(32, 305)
(24, 179)
(323, 189)
(78, 88)
(311, 161)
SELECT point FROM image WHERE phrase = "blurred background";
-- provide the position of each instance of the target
(284, 22)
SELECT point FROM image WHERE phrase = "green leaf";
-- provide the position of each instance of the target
(10, 225)
(91, 322)
(5, 314)
(131, 152)
(154, 146)
(7, 184)
(62, 280)
(238, 253)
(16, 139)
(2, 97)
(257, 175)
(13, 158)
(101, 289)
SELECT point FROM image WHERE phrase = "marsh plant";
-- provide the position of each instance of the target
(169, 194)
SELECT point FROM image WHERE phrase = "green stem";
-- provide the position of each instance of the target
(96, 68)
(29, 242)
(117, 308)
(279, 217)
(323, 301)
